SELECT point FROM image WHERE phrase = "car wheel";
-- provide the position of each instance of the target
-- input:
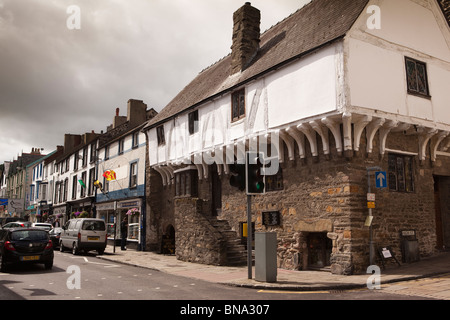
(101, 251)
(48, 265)
(3, 265)
(75, 248)
(61, 247)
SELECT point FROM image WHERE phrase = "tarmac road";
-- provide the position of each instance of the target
(86, 277)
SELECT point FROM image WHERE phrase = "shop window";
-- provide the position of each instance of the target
(401, 177)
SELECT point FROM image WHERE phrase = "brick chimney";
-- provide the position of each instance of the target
(246, 37)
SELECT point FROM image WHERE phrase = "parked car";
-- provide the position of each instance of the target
(5, 220)
(43, 225)
(17, 224)
(55, 235)
(25, 245)
(84, 234)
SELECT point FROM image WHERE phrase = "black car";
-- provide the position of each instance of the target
(25, 245)
(55, 235)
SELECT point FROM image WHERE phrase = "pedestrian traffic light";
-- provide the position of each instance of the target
(254, 173)
(237, 179)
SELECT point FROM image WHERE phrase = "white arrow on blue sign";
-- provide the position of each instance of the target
(381, 179)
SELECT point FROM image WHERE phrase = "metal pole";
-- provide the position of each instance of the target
(249, 236)
(115, 224)
(371, 244)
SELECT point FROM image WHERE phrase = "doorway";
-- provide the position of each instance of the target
(319, 250)
(442, 211)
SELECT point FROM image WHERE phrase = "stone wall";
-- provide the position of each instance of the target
(196, 239)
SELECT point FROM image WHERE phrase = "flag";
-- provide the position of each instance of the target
(109, 175)
(82, 183)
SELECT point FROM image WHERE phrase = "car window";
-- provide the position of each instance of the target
(72, 224)
(31, 235)
(96, 225)
(77, 226)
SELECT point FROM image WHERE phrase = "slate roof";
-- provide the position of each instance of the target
(445, 6)
(309, 28)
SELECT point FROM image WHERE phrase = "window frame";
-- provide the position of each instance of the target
(160, 135)
(193, 124)
(241, 110)
(415, 91)
(401, 173)
(133, 176)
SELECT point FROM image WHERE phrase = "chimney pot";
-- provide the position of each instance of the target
(117, 112)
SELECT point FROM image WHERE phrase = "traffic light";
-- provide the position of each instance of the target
(254, 173)
(237, 179)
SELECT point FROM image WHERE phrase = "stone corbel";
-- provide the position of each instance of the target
(311, 136)
(289, 141)
(299, 138)
(335, 128)
(359, 127)
(435, 142)
(384, 132)
(424, 136)
(323, 133)
(371, 130)
(347, 131)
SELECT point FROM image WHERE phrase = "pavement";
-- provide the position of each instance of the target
(286, 279)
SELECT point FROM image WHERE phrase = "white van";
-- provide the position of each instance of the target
(84, 234)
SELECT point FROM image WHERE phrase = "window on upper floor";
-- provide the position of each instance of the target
(193, 122)
(121, 145)
(238, 105)
(133, 175)
(160, 135)
(135, 139)
(417, 77)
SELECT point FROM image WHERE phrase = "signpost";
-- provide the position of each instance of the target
(381, 180)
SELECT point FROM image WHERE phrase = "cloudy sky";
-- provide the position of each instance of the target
(54, 80)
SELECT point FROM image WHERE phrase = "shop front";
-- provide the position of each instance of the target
(115, 212)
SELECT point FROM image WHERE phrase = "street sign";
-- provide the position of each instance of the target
(371, 205)
(381, 179)
(371, 197)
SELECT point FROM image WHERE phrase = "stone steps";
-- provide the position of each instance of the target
(236, 252)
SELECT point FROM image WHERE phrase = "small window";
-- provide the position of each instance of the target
(186, 183)
(106, 152)
(274, 182)
(121, 145)
(160, 135)
(133, 175)
(193, 122)
(417, 78)
(136, 139)
(74, 187)
(401, 177)
(238, 105)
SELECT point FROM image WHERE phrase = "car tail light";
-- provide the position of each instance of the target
(9, 246)
(79, 235)
(49, 245)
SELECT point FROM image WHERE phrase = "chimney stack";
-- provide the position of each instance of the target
(246, 37)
